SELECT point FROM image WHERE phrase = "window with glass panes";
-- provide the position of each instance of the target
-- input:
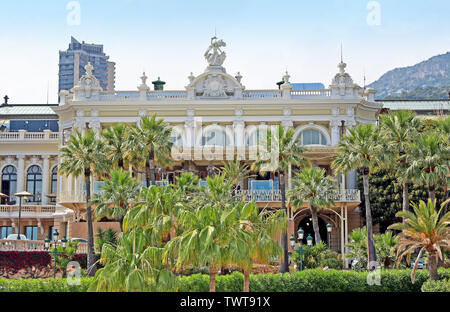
(5, 231)
(31, 232)
(34, 183)
(313, 137)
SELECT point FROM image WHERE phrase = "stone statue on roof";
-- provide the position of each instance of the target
(214, 55)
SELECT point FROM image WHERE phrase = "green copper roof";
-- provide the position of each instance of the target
(26, 110)
(416, 105)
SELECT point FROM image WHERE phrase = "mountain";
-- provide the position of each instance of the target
(427, 80)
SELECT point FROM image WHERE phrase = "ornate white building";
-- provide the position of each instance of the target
(214, 118)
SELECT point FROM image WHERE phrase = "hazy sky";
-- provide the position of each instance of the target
(167, 38)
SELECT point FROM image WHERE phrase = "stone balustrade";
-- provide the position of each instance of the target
(27, 209)
(29, 136)
(275, 195)
(27, 245)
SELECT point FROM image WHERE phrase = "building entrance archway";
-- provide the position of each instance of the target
(307, 226)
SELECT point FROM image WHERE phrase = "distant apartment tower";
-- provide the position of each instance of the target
(73, 61)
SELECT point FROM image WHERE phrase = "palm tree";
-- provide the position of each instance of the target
(254, 237)
(188, 186)
(118, 194)
(235, 171)
(115, 139)
(424, 230)
(85, 155)
(430, 161)
(401, 129)
(313, 186)
(153, 140)
(134, 265)
(287, 152)
(362, 149)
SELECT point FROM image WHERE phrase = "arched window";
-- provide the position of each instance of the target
(215, 138)
(177, 139)
(9, 182)
(34, 183)
(312, 137)
(54, 180)
(256, 137)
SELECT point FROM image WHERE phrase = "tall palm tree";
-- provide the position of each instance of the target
(401, 129)
(287, 152)
(430, 161)
(115, 139)
(153, 140)
(253, 237)
(424, 230)
(134, 265)
(85, 155)
(118, 195)
(362, 149)
(313, 186)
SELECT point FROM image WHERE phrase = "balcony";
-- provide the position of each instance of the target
(24, 136)
(27, 245)
(341, 196)
(28, 211)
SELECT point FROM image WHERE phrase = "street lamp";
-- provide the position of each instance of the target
(329, 230)
(55, 247)
(301, 234)
(309, 240)
(20, 195)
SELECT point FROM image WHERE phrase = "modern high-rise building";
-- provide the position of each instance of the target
(73, 60)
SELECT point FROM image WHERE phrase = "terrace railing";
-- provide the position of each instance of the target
(28, 245)
(275, 195)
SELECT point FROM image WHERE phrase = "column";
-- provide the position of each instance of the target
(96, 126)
(239, 127)
(342, 236)
(335, 132)
(21, 173)
(45, 179)
(350, 178)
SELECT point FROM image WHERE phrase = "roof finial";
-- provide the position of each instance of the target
(342, 54)
(364, 70)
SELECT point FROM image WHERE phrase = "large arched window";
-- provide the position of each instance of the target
(256, 137)
(9, 182)
(312, 137)
(215, 137)
(34, 183)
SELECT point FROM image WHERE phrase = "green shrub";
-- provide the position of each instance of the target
(439, 286)
(318, 256)
(42, 285)
(306, 281)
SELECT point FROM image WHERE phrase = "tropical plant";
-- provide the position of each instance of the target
(362, 149)
(430, 161)
(253, 236)
(108, 236)
(236, 171)
(385, 245)
(423, 230)
(85, 155)
(64, 255)
(119, 194)
(277, 152)
(152, 140)
(134, 265)
(401, 128)
(318, 256)
(115, 139)
(312, 186)
(188, 186)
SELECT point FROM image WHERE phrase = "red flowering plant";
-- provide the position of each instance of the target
(29, 263)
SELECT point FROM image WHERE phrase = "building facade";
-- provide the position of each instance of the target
(215, 118)
(76, 57)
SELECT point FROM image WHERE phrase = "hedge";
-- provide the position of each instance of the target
(305, 281)
(439, 286)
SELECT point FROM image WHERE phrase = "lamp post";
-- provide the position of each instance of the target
(329, 230)
(20, 195)
(309, 240)
(55, 247)
(292, 240)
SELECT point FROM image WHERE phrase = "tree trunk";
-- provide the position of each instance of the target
(121, 164)
(152, 168)
(432, 191)
(432, 266)
(315, 222)
(284, 268)
(147, 172)
(372, 256)
(91, 255)
(246, 281)
(212, 279)
(405, 205)
(121, 223)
